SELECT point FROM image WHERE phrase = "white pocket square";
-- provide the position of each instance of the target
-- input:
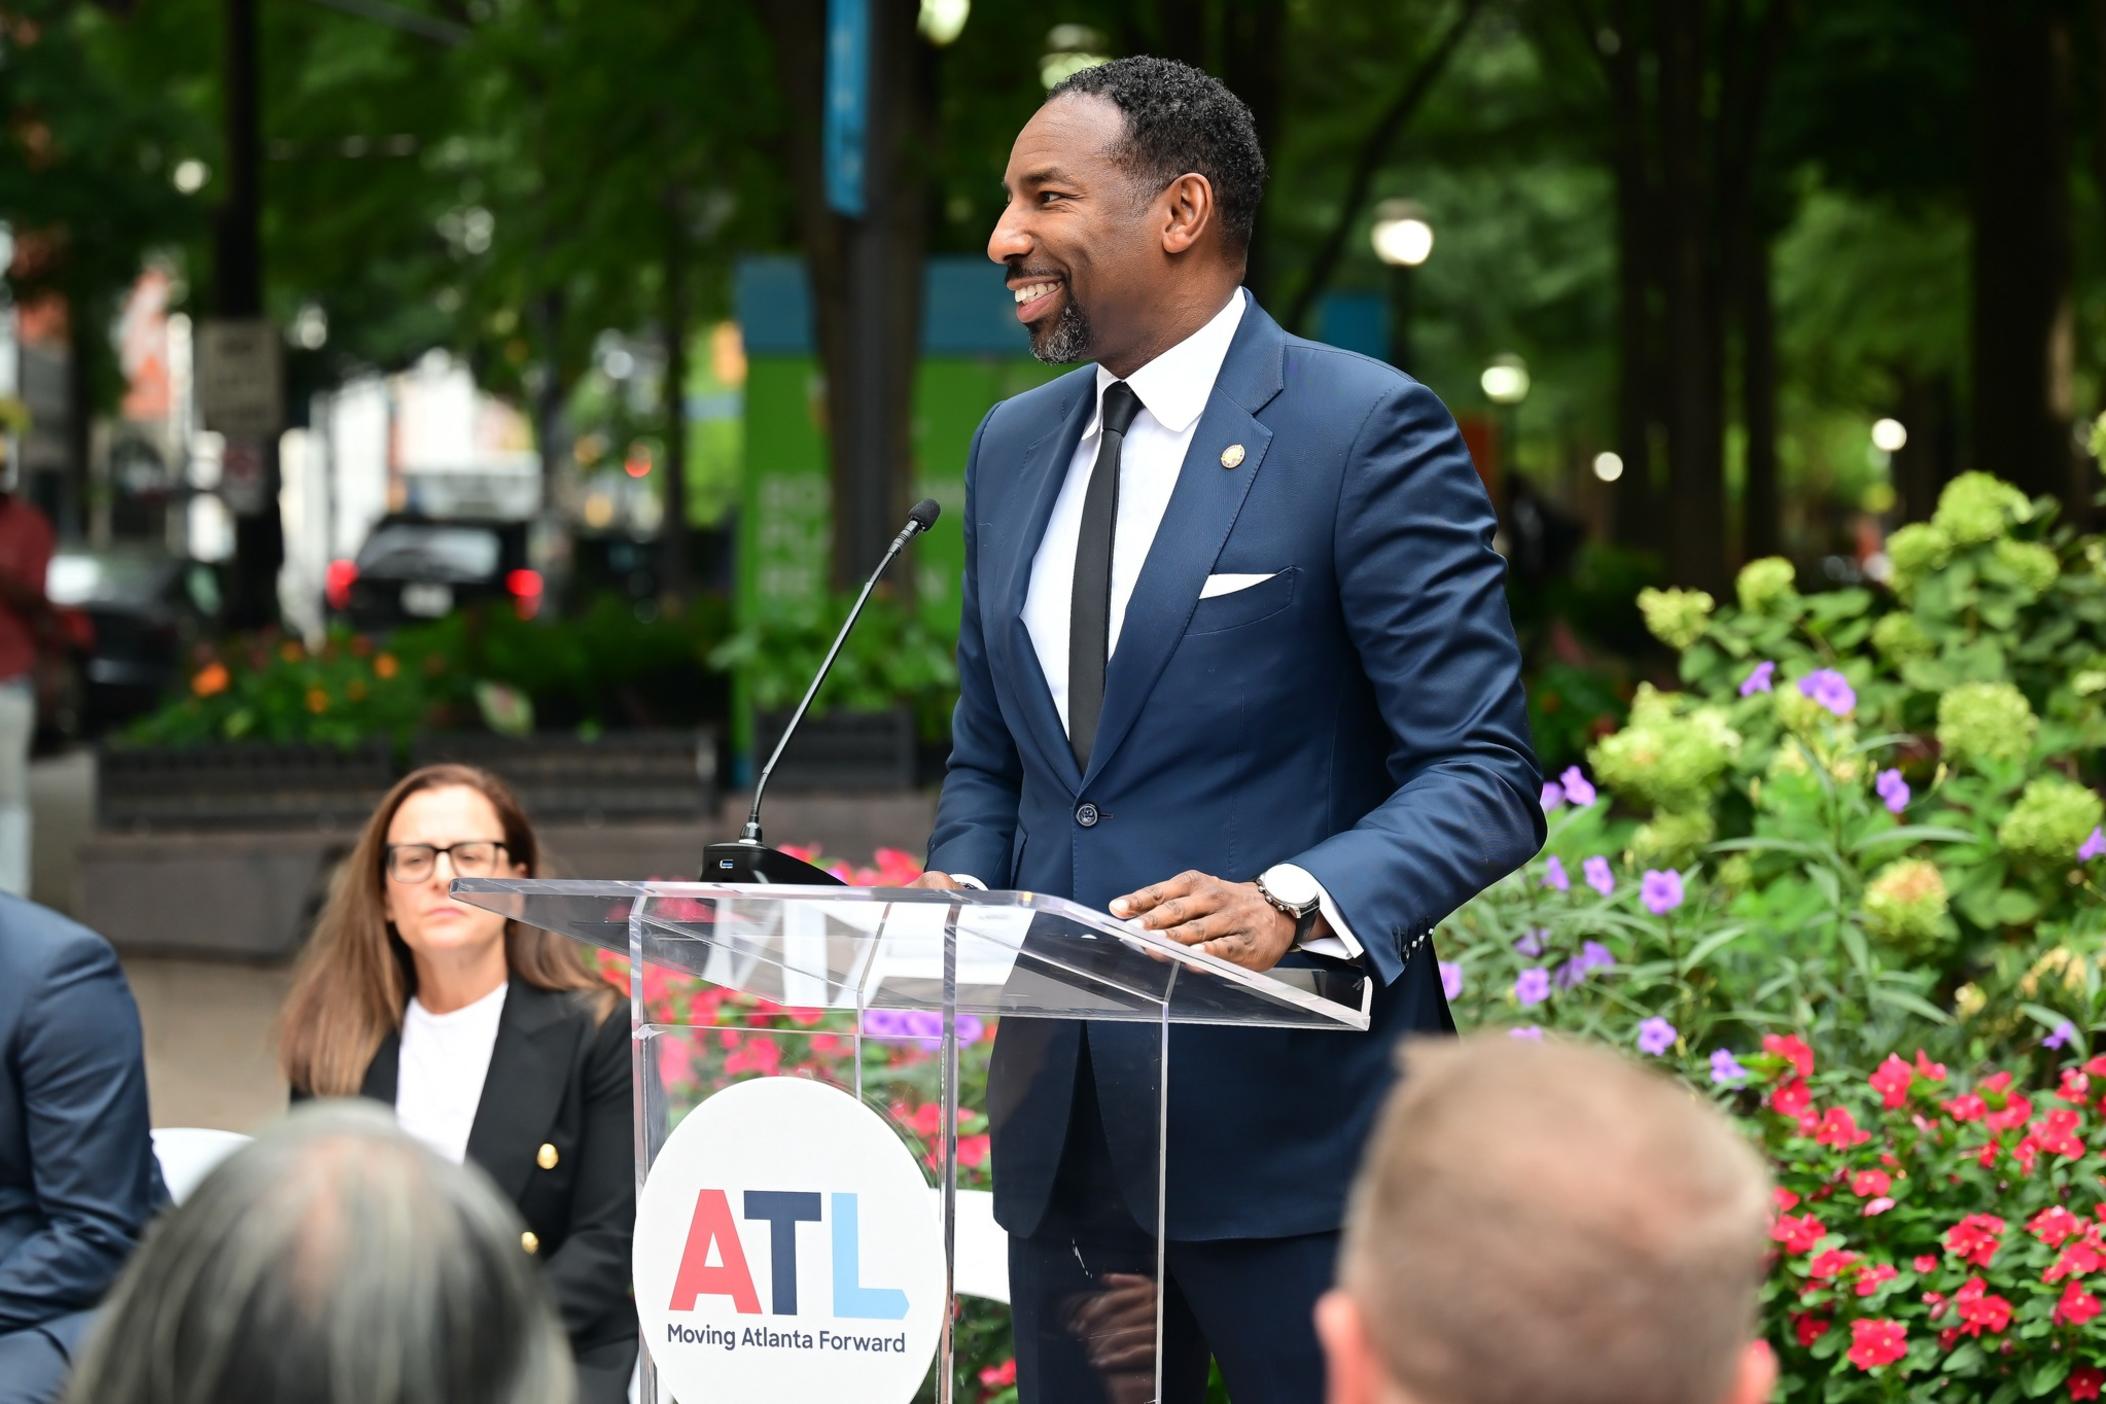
(1230, 584)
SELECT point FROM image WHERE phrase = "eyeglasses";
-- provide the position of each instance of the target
(413, 862)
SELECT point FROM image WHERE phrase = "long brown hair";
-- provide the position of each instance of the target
(355, 978)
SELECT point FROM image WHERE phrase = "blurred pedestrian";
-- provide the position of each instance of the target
(1549, 1221)
(25, 618)
(78, 1179)
(334, 1261)
(491, 1040)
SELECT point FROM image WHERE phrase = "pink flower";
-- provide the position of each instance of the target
(2057, 1134)
(1875, 1207)
(1874, 1343)
(1975, 1239)
(1792, 1098)
(1807, 1328)
(2076, 1307)
(1981, 1309)
(1792, 1047)
(1966, 1107)
(1924, 1262)
(1892, 1080)
(2076, 1087)
(2085, 1381)
(1784, 1199)
(1869, 1183)
(1833, 1263)
(1871, 1277)
(1927, 1070)
(2055, 1226)
(1798, 1235)
(1840, 1129)
(2080, 1259)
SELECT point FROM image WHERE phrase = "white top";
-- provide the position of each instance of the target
(439, 1079)
(1173, 390)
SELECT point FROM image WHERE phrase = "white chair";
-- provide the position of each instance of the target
(188, 1154)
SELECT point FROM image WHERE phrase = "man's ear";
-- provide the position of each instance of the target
(1755, 1376)
(1190, 211)
(1352, 1370)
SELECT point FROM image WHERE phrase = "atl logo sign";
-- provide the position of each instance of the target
(713, 1234)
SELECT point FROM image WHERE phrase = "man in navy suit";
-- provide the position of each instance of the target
(78, 1178)
(1235, 660)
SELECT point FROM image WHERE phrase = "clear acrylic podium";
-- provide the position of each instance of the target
(890, 995)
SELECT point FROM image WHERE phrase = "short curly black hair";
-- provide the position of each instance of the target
(1180, 119)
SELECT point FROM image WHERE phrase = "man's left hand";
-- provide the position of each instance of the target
(1231, 920)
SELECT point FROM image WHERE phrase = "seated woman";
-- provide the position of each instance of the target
(491, 1040)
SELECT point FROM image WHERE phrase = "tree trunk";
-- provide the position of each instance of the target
(2022, 323)
(865, 273)
(259, 536)
(1693, 370)
(1637, 515)
(672, 528)
(1761, 505)
(548, 310)
(1252, 66)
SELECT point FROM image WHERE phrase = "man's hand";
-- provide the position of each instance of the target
(1227, 919)
(941, 881)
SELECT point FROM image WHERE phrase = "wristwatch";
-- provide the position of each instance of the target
(1294, 892)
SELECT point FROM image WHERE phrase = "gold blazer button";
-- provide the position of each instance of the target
(530, 1242)
(546, 1157)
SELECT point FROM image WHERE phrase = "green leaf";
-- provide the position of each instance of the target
(1906, 834)
(1909, 1003)
(1703, 949)
(2046, 1377)
(2016, 907)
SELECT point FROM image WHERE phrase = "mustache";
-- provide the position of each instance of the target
(1017, 270)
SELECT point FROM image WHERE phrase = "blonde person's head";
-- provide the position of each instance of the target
(1549, 1221)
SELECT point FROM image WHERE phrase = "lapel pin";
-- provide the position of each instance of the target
(1232, 456)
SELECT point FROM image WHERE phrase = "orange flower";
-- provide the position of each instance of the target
(291, 652)
(386, 666)
(317, 701)
(211, 680)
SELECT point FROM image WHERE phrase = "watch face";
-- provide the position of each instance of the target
(1291, 885)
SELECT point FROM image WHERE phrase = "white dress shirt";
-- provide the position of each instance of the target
(444, 1062)
(1173, 390)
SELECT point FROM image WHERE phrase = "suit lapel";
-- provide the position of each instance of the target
(1039, 478)
(1203, 509)
(529, 1073)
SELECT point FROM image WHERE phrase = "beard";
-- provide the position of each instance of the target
(1066, 339)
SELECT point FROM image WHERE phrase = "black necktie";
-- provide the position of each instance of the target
(1089, 633)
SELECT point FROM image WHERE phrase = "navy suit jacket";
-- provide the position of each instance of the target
(78, 1178)
(1360, 714)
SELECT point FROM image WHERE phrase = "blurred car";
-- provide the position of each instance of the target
(131, 616)
(414, 568)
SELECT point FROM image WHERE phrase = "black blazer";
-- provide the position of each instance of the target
(556, 1130)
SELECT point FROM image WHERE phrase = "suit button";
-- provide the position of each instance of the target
(530, 1241)
(546, 1157)
(1087, 816)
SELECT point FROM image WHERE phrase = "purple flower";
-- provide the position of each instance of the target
(924, 1023)
(970, 1028)
(1831, 689)
(1893, 789)
(1726, 1070)
(1552, 796)
(1530, 942)
(2093, 847)
(1554, 876)
(1528, 1033)
(884, 1025)
(1533, 987)
(2064, 1032)
(1451, 979)
(1656, 1036)
(1578, 788)
(1593, 955)
(1759, 680)
(1571, 975)
(1598, 875)
(1660, 891)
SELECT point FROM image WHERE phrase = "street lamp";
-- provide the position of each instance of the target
(1403, 240)
(1505, 384)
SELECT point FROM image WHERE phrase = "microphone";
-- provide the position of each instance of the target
(749, 860)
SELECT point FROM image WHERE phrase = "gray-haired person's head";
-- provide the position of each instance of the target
(333, 1261)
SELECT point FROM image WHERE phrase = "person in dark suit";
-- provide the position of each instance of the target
(78, 1178)
(1235, 661)
(491, 1040)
